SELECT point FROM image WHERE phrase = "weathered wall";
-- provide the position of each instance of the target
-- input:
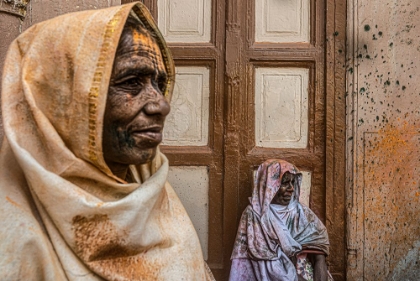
(383, 140)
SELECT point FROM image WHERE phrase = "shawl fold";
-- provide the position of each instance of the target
(63, 214)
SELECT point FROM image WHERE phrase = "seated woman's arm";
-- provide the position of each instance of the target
(320, 267)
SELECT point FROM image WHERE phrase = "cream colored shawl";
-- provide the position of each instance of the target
(63, 214)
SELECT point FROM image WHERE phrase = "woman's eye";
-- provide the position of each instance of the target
(162, 86)
(131, 82)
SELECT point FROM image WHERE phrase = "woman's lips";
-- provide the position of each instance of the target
(152, 134)
(287, 196)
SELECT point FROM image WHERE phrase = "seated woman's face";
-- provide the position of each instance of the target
(136, 108)
(285, 193)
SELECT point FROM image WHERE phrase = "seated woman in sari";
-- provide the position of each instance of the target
(278, 238)
(83, 187)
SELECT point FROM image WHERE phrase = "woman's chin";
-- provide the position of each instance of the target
(145, 156)
(281, 202)
(136, 156)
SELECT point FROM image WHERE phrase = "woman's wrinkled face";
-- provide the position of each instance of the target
(136, 108)
(286, 190)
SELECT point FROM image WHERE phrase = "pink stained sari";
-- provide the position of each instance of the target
(271, 236)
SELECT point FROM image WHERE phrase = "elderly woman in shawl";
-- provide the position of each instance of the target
(83, 185)
(279, 238)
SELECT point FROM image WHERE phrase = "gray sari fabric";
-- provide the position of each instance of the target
(269, 235)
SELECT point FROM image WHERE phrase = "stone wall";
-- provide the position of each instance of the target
(383, 140)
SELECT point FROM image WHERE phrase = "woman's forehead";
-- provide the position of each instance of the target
(143, 38)
(288, 176)
(138, 39)
(140, 43)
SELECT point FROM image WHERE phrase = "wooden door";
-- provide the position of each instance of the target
(262, 79)
(285, 99)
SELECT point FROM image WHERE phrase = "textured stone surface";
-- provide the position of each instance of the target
(384, 141)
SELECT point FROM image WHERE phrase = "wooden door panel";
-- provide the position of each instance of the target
(185, 21)
(284, 21)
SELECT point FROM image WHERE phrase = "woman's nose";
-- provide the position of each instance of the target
(156, 103)
(290, 186)
(157, 106)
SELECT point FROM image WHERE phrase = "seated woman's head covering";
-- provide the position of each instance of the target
(274, 233)
(63, 214)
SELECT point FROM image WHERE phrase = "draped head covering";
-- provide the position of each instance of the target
(63, 214)
(270, 234)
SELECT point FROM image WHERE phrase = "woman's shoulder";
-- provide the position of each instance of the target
(309, 215)
(306, 210)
